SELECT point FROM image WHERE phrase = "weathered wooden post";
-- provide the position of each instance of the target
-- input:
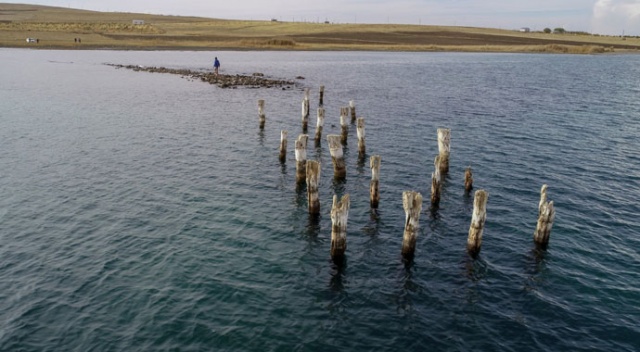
(319, 125)
(546, 215)
(301, 158)
(374, 188)
(261, 116)
(412, 203)
(321, 103)
(360, 131)
(444, 147)
(283, 145)
(313, 180)
(474, 241)
(344, 111)
(335, 148)
(468, 180)
(339, 217)
(352, 108)
(305, 110)
(435, 182)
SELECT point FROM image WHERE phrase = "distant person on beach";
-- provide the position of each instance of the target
(216, 66)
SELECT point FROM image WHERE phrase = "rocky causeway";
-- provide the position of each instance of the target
(255, 80)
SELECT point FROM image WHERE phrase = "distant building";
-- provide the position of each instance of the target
(525, 29)
(138, 22)
(274, 20)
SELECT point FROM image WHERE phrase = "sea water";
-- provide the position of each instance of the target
(144, 211)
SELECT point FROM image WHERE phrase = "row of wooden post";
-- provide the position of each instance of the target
(309, 171)
(335, 149)
(412, 204)
(344, 112)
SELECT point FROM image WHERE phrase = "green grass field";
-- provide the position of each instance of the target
(58, 28)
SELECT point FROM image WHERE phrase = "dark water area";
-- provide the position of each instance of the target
(145, 211)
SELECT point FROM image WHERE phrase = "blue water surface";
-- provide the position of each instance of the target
(146, 211)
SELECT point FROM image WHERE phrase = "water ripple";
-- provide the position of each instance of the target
(154, 215)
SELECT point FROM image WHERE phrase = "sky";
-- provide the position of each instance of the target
(613, 17)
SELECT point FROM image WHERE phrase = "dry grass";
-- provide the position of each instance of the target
(268, 43)
(575, 49)
(57, 28)
(80, 27)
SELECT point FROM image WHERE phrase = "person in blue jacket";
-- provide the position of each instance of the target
(216, 65)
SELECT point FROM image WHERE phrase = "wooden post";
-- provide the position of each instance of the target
(305, 110)
(319, 125)
(335, 148)
(344, 111)
(360, 131)
(301, 158)
(444, 147)
(374, 188)
(435, 182)
(261, 115)
(352, 108)
(546, 215)
(339, 217)
(321, 96)
(468, 180)
(313, 179)
(412, 203)
(283, 145)
(474, 241)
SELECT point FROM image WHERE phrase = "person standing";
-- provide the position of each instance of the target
(216, 65)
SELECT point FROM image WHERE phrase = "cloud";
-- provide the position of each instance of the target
(616, 17)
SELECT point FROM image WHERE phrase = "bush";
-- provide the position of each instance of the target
(547, 30)
(269, 42)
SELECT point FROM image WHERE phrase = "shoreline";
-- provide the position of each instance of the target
(542, 49)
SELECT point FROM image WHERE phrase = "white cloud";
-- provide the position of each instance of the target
(616, 16)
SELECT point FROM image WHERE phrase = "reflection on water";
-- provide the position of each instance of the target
(360, 165)
(433, 210)
(338, 186)
(434, 216)
(535, 267)
(301, 195)
(407, 261)
(407, 287)
(313, 225)
(261, 137)
(372, 228)
(338, 273)
(475, 269)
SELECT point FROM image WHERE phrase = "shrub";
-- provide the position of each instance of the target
(269, 42)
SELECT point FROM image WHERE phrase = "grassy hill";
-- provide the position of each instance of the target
(56, 27)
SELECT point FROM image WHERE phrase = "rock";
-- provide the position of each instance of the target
(256, 80)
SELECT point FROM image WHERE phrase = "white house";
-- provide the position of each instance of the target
(138, 22)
